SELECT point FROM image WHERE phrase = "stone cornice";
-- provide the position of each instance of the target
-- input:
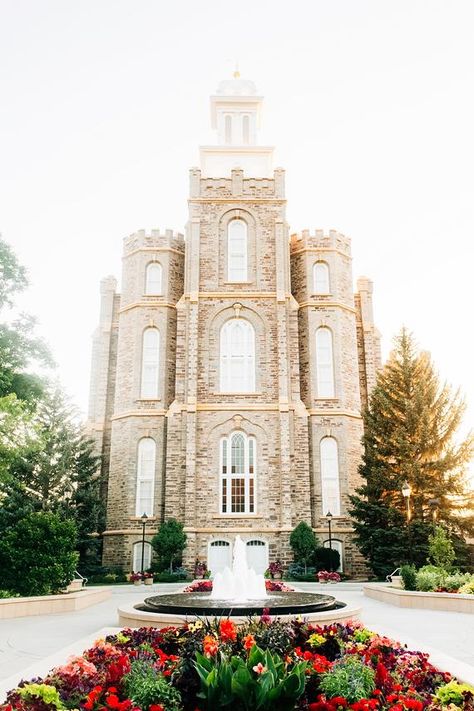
(153, 304)
(243, 198)
(153, 249)
(301, 250)
(315, 412)
(327, 304)
(139, 413)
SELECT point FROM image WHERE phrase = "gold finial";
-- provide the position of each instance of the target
(236, 71)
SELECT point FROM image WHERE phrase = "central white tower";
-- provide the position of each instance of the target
(235, 115)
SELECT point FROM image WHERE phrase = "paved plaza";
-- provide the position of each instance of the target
(448, 636)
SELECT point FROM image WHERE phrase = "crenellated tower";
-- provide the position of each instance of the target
(230, 373)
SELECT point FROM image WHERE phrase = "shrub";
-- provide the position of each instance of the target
(41, 695)
(440, 552)
(408, 573)
(453, 693)
(174, 577)
(145, 686)
(170, 542)
(467, 588)
(303, 542)
(32, 569)
(348, 677)
(4, 594)
(326, 558)
(296, 571)
(429, 577)
(453, 582)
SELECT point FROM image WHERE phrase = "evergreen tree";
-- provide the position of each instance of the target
(170, 542)
(410, 436)
(58, 471)
(303, 543)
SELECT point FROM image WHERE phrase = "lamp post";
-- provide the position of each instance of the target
(144, 519)
(328, 519)
(406, 493)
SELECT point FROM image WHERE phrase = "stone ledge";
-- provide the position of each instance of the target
(130, 617)
(52, 604)
(445, 602)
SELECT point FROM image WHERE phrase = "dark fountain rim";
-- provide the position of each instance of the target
(278, 603)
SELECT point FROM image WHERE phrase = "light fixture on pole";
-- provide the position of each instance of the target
(406, 493)
(328, 519)
(144, 519)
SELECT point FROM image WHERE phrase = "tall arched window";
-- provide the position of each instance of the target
(246, 129)
(145, 476)
(237, 356)
(320, 278)
(153, 279)
(324, 363)
(238, 456)
(237, 250)
(331, 499)
(150, 363)
(137, 557)
(228, 128)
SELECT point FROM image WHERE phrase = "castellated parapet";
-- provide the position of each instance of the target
(238, 185)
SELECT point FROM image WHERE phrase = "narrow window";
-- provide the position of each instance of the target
(331, 500)
(324, 363)
(237, 474)
(153, 279)
(145, 476)
(228, 128)
(150, 363)
(137, 557)
(237, 250)
(237, 357)
(246, 129)
(321, 278)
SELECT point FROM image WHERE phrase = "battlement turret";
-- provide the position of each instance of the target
(318, 239)
(153, 240)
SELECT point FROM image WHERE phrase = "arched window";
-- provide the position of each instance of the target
(150, 363)
(238, 456)
(137, 557)
(237, 357)
(153, 279)
(324, 363)
(145, 476)
(320, 278)
(246, 129)
(331, 500)
(237, 250)
(228, 128)
(336, 546)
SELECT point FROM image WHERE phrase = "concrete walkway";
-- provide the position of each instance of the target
(26, 640)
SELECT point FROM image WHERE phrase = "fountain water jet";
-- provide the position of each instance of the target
(241, 583)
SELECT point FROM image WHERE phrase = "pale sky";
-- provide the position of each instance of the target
(370, 104)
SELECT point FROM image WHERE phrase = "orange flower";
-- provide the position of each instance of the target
(210, 645)
(248, 641)
(228, 631)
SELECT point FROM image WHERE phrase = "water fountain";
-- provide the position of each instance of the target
(238, 592)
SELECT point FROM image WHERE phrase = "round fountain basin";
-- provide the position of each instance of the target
(277, 603)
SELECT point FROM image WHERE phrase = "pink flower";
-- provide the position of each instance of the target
(259, 668)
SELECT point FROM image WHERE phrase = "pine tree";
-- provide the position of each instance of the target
(410, 436)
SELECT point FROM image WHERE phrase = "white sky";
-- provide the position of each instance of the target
(103, 104)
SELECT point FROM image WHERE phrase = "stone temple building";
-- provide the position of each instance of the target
(230, 371)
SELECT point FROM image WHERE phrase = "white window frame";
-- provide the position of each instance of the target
(137, 557)
(321, 284)
(237, 251)
(149, 386)
(330, 477)
(237, 366)
(154, 284)
(228, 126)
(325, 386)
(145, 475)
(249, 477)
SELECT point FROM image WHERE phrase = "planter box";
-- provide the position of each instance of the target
(50, 604)
(447, 602)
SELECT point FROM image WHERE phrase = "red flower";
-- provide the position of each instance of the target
(210, 645)
(248, 641)
(156, 707)
(321, 706)
(228, 631)
(339, 701)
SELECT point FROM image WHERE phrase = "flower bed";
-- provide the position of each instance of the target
(263, 665)
(206, 586)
